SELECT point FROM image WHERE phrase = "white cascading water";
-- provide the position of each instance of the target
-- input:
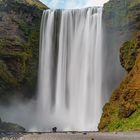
(70, 70)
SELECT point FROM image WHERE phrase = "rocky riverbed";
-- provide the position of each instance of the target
(73, 136)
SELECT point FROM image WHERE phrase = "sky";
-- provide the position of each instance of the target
(71, 4)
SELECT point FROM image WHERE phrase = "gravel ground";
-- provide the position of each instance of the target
(75, 136)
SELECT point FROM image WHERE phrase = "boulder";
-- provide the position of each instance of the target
(10, 127)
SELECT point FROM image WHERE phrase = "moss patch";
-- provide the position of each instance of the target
(129, 52)
(125, 124)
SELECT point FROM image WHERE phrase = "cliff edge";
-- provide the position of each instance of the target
(122, 112)
(19, 47)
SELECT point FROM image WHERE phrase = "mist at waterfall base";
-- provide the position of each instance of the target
(71, 72)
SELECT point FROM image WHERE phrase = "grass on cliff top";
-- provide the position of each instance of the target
(125, 124)
(37, 3)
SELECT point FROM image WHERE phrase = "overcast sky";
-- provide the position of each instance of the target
(73, 3)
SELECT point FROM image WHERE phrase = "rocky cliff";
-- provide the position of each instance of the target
(122, 112)
(19, 47)
(122, 15)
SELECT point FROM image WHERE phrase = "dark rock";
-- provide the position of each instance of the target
(84, 133)
(11, 127)
(54, 129)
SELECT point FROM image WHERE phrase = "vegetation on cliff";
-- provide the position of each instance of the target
(129, 52)
(19, 46)
(122, 112)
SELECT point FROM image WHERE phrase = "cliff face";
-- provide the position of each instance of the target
(122, 112)
(122, 14)
(19, 46)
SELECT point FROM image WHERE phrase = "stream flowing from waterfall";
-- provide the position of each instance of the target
(70, 70)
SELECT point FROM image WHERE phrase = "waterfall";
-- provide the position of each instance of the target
(70, 69)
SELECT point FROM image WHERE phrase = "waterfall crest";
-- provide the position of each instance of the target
(70, 69)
